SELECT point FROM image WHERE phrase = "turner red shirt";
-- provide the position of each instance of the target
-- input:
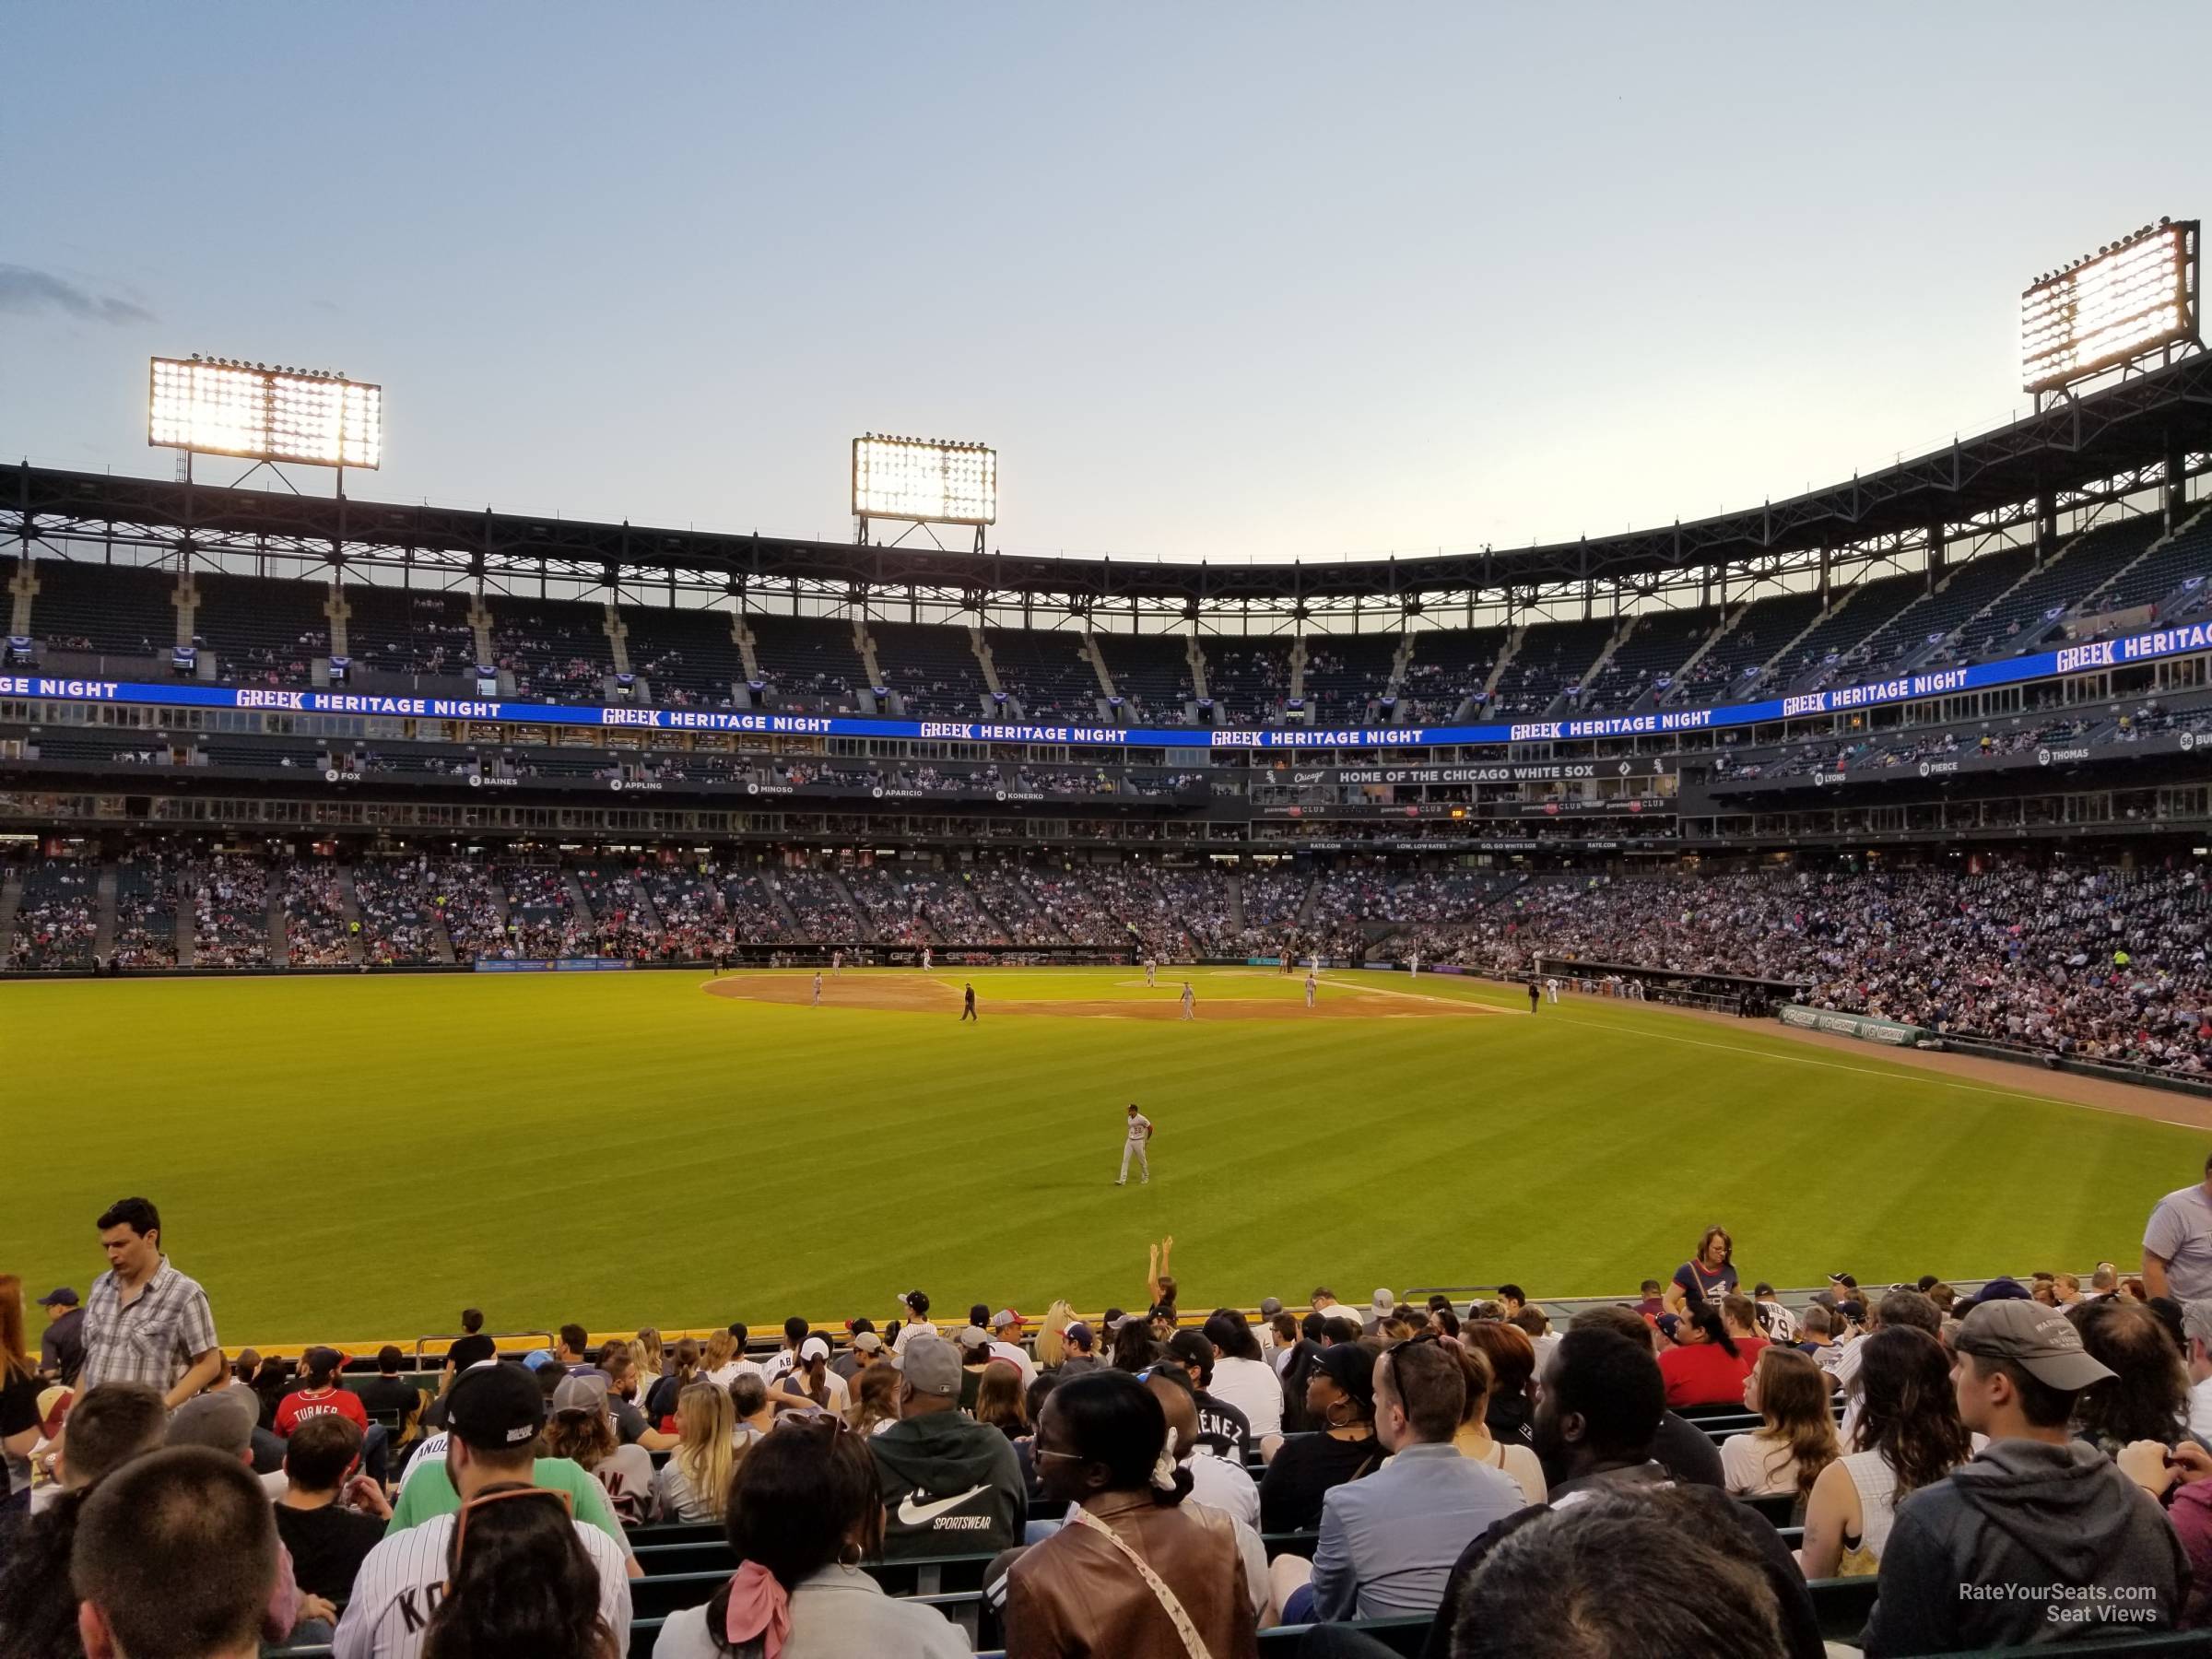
(296, 1409)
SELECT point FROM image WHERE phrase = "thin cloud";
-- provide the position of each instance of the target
(25, 289)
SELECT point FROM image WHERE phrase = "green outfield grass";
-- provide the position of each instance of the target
(357, 1157)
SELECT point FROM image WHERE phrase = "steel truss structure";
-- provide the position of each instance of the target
(2144, 440)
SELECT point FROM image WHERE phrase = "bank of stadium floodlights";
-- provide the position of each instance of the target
(252, 412)
(2130, 302)
(922, 482)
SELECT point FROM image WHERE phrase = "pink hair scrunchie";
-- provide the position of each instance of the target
(759, 1606)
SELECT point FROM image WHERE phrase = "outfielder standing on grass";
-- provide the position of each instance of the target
(1311, 987)
(817, 987)
(1140, 1132)
(1190, 1000)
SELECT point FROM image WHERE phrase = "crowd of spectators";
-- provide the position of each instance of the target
(145, 908)
(316, 932)
(58, 916)
(231, 913)
(398, 921)
(1960, 1472)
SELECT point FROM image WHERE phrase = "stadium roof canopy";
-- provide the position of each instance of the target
(2151, 429)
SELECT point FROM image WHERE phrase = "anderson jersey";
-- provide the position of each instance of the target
(401, 1580)
(1140, 1129)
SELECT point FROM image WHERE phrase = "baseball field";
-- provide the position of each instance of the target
(356, 1159)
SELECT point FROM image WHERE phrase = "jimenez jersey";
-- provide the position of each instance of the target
(400, 1583)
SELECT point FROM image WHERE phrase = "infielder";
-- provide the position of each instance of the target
(1414, 967)
(1190, 1000)
(1551, 990)
(817, 987)
(1151, 972)
(1311, 987)
(1140, 1132)
(837, 961)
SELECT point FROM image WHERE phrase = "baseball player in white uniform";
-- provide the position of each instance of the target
(817, 987)
(1311, 987)
(925, 958)
(1151, 972)
(1189, 1001)
(1140, 1132)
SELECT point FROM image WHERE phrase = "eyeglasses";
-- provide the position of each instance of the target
(486, 1499)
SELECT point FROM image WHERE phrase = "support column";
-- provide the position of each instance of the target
(22, 587)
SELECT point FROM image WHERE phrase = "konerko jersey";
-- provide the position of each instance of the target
(401, 1580)
(1139, 1128)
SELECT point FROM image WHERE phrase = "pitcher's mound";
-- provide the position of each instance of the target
(923, 993)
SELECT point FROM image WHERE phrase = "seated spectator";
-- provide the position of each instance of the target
(1214, 1484)
(520, 1579)
(388, 1395)
(943, 1472)
(1241, 1378)
(755, 1411)
(318, 1394)
(1895, 1308)
(1512, 1361)
(332, 1514)
(1082, 1353)
(112, 1425)
(1708, 1364)
(724, 1361)
(1796, 1437)
(2146, 1397)
(1680, 1446)
(1598, 1420)
(428, 1490)
(1387, 1542)
(496, 1412)
(683, 1370)
(1000, 1401)
(1909, 1437)
(874, 1399)
(1223, 1429)
(1132, 1568)
(694, 1482)
(1518, 1463)
(175, 1558)
(804, 1508)
(2197, 1332)
(810, 1381)
(1615, 1574)
(581, 1428)
(2015, 1541)
(624, 1381)
(1134, 1349)
(1817, 1342)
(1340, 1402)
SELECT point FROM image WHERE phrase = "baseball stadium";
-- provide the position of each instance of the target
(485, 976)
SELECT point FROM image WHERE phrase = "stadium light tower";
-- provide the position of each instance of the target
(2130, 301)
(924, 481)
(217, 407)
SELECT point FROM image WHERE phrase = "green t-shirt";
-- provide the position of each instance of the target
(430, 1492)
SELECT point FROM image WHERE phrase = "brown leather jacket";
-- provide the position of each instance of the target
(1075, 1595)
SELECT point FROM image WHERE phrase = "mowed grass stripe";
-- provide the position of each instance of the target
(359, 1158)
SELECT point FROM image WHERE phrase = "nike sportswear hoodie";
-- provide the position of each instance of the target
(951, 1486)
(2030, 1543)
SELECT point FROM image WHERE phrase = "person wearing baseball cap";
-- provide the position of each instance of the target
(494, 1415)
(496, 1412)
(1005, 1344)
(61, 1347)
(1340, 1404)
(951, 1486)
(2039, 1530)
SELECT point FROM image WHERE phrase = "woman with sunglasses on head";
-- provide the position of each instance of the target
(1132, 1572)
(804, 1508)
(518, 1581)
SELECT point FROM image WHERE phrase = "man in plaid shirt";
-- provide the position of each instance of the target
(145, 1322)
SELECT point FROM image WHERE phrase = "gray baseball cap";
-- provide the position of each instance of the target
(2042, 1340)
(932, 1366)
(224, 1420)
(2196, 1320)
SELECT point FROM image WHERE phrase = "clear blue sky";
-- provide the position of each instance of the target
(1225, 281)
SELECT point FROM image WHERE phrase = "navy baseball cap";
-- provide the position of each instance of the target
(63, 1297)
